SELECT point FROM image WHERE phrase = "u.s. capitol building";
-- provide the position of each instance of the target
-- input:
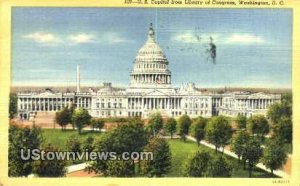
(150, 90)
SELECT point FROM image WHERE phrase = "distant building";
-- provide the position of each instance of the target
(150, 90)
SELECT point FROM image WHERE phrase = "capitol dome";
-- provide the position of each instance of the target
(151, 65)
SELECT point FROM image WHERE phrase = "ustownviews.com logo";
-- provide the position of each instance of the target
(37, 154)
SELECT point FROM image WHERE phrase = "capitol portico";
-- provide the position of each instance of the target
(150, 90)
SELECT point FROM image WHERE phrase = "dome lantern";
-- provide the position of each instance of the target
(151, 33)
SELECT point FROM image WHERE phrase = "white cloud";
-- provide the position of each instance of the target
(43, 37)
(186, 37)
(49, 39)
(245, 39)
(82, 38)
(112, 38)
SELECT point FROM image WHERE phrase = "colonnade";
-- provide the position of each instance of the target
(151, 78)
(254, 103)
(84, 102)
(43, 103)
(154, 103)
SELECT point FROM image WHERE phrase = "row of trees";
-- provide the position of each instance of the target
(250, 150)
(249, 139)
(206, 164)
(79, 118)
(216, 130)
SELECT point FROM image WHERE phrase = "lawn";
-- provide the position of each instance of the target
(59, 138)
(181, 151)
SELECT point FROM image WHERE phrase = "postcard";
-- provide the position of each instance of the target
(151, 92)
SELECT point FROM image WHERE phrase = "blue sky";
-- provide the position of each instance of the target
(253, 46)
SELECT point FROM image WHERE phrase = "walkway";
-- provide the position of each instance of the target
(229, 153)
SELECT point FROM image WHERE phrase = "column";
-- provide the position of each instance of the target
(48, 104)
(161, 102)
(147, 102)
(129, 103)
(179, 103)
(39, 104)
(153, 103)
(175, 103)
(43, 104)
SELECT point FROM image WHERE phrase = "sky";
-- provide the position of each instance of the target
(253, 45)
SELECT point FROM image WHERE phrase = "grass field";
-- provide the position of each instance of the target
(59, 138)
(180, 151)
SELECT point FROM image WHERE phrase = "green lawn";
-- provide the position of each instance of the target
(59, 138)
(181, 151)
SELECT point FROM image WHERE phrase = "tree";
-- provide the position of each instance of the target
(184, 123)
(155, 123)
(238, 143)
(219, 167)
(72, 109)
(241, 121)
(171, 126)
(258, 125)
(81, 118)
(97, 123)
(130, 137)
(74, 145)
(197, 165)
(218, 131)
(88, 144)
(63, 117)
(280, 115)
(198, 129)
(119, 168)
(280, 110)
(102, 145)
(26, 139)
(161, 162)
(13, 105)
(49, 167)
(274, 155)
(252, 153)
(283, 130)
